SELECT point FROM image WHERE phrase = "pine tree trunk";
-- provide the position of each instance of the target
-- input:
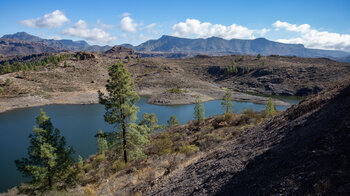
(49, 172)
(124, 141)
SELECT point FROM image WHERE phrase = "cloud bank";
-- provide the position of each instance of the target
(51, 20)
(81, 30)
(193, 28)
(312, 38)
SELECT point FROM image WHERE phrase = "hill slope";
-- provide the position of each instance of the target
(215, 45)
(9, 47)
(303, 150)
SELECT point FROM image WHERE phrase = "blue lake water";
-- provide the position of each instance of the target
(78, 124)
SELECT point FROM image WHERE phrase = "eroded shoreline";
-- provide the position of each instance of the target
(154, 97)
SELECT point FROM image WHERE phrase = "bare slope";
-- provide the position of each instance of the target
(303, 150)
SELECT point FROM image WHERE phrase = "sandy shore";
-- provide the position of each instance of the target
(157, 97)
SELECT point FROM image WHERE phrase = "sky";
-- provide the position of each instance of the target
(316, 24)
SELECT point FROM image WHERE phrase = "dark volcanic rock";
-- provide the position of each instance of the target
(85, 55)
(120, 49)
(120, 52)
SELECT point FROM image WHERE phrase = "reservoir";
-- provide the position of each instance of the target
(78, 124)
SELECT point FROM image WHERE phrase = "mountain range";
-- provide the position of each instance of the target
(20, 43)
(63, 44)
(216, 45)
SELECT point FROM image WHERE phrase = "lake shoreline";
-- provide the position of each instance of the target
(155, 98)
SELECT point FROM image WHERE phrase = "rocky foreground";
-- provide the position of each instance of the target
(304, 150)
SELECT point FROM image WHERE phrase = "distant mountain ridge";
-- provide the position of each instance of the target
(11, 47)
(216, 45)
(57, 44)
(170, 45)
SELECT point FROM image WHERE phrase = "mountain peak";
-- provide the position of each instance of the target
(261, 39)
(23, 36)
(167, 37)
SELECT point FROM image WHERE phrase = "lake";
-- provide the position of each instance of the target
(78, 124)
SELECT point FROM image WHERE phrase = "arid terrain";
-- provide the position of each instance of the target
(168, 81)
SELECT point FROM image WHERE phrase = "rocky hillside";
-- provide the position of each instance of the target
(9, 47)
(304, 150)
(215, 45)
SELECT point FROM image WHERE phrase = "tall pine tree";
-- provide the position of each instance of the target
(226, 102)
(120, 103)
(199, 113)
(270, 109)
(49, 160)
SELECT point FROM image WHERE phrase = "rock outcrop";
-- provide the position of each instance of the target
(120, 52)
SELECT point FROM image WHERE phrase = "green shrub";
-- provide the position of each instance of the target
(228, 116)
(100, 158)
(8, 82)
(213, 137)
(175, 90)
(118, 165)
(1, 90)
(162, 145)
(89, 191)
(87, 167)
(188, 149)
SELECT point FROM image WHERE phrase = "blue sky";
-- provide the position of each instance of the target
(316, 24)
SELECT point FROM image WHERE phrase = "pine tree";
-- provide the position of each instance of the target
(120, 103)
(270, 108)
(151, 122)
(102, 146)
(258, 56)
(226, 102)
(172, 122)
(198, 111)
(49, 160)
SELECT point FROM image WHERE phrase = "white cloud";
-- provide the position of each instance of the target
(51, 20)
(291, 27)
(150, 26)
(263, 31)
(101, 25)
(313, 38)
(127, 24)
(125, 14)
(195, 28)
(81, 30)
(55, 37)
